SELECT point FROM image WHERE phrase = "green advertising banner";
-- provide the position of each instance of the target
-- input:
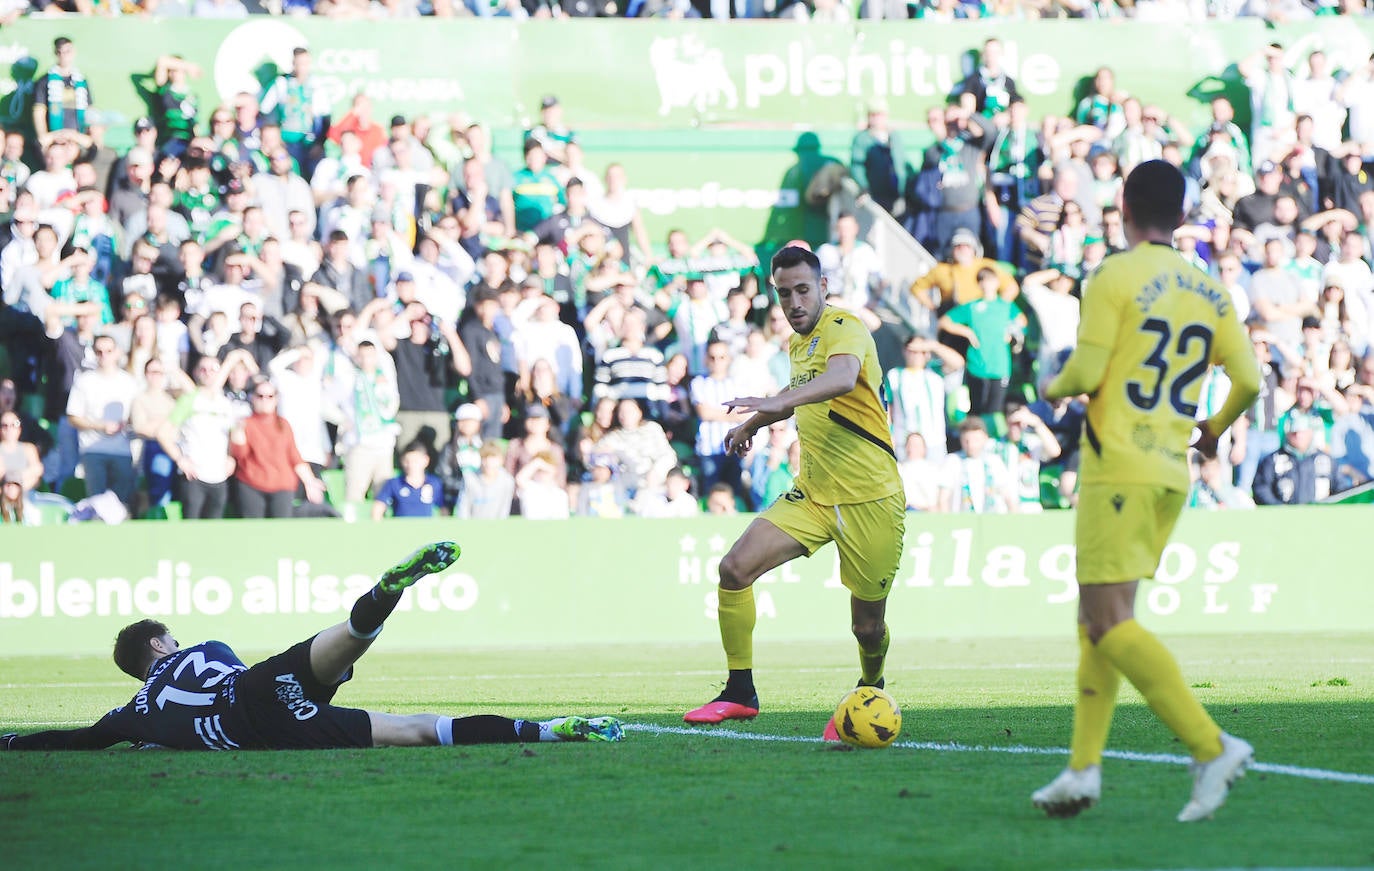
(68, 589)
(703, 113)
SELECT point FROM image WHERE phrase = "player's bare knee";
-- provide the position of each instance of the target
(734, 575)
(869, 635)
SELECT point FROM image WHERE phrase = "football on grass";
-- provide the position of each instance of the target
(868, 717)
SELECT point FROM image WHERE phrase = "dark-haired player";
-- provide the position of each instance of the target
(205, 698)
(1152, 325)
(848, 491)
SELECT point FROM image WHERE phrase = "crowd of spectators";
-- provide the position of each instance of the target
(278, 307)
(1022, 211)
(1275, 11)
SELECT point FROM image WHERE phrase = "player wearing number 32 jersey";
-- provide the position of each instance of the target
(1151, 327)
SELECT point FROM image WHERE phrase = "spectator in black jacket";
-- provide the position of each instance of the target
(1295, 474)
(337, 271)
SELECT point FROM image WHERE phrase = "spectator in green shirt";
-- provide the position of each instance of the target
(992, 325)
(536, 191)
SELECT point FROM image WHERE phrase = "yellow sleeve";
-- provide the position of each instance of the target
(846, 334)
(1232, 349)
(1083, 373)
(1100, 319)
(1099, 313)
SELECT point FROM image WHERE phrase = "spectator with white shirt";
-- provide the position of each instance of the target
(98, 409)
(545, 337)
(850, 266)
(1050, 293)
(916, 394)
(974, 479)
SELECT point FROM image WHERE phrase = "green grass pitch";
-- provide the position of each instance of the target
(710, 798)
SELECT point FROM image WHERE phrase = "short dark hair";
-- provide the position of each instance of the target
(795, 255)
(1154, 195)
(131, 651)
(972, 423)
(60, 43)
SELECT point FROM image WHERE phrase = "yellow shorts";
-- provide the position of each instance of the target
(868, 535)
(1121, 530)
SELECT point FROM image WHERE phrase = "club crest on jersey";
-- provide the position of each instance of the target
(811, 348)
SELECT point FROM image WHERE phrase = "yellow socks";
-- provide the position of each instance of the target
(1098, 680)
(737, 617)
(1148, 665)
(871, 661)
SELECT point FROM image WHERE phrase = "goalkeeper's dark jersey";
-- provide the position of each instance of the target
(186, 703)
(203, 698)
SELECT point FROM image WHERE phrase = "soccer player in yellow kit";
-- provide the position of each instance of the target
(848, 490)
(1151, 327)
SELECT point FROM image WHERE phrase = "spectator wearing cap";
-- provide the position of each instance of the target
(955, 281)
(551, 132)
(427, 353)
(461, 457)
(15, 506)
(1257, 209)
(62, 98)
(1317, 400)
(537, 439)
(302, 108)
(1297, 473)
(130, 185)
(489, 494)
(603, 493)
(414, 492)
(535, 191)
(398, 131)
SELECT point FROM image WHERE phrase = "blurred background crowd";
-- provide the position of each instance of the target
(282, 307)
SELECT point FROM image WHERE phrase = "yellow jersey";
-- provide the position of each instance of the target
(846, 448)
(1163, 323)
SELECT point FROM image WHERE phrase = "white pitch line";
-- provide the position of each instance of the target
(947, 747)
